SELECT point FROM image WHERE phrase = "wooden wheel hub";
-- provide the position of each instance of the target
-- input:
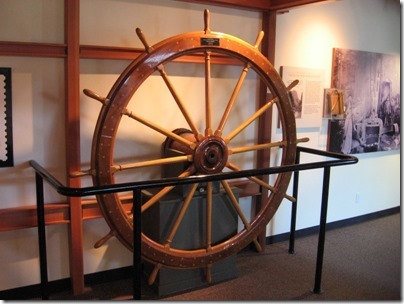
(210, 156)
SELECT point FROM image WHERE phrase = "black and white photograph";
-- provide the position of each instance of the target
(371, 85)
(6, 136)
(307, 96)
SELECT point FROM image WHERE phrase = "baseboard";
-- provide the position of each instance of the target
(34, 291)
(333, 225)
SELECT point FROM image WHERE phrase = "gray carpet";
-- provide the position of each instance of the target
(362, 262)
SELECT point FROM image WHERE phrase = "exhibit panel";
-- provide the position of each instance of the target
(314, 32)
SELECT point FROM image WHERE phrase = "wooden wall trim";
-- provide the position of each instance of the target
(277, 5)
(59, 213)
(26, 217)
(55, 214)
(265, 121)
(109, 52)
(243, 4)
(127, 53)
(72, 140)
(258, 5)
(30, 49)
(54, 50)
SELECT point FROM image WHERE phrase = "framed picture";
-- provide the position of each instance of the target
(333, 103)
(307, 96)
(336, 132)
(371, 86)
(6, 132)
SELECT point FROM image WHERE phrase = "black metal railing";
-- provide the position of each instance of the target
(42, 174)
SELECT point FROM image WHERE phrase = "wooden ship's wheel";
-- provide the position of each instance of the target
(207, 151)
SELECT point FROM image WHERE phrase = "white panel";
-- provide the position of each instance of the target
(32, 21)
(305, 38)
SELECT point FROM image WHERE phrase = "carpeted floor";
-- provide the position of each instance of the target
(362, 262)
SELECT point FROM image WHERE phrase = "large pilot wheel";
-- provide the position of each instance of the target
(205, 151)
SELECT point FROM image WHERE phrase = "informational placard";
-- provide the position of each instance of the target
(306, 97)
(6, 137)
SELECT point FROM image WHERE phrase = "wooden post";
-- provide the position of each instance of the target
(265, 121)
(72, 140)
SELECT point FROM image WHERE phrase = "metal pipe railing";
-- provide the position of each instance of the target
(341, 159)
(136, 187)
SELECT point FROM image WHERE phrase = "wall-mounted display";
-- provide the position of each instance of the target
(6, 136)
(333, 103)
(307, 96)
(371, 86)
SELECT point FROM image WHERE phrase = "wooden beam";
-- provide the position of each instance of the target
(72, 140)
(126, 53)
(55, 214)
(265, 122)
(54, 50)
(109, 52)
(59, 213)
(244, 4)
(30, 49)
(258, 5)
(26, 217)
(277, 5)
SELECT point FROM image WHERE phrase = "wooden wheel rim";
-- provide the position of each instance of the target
(108, 122)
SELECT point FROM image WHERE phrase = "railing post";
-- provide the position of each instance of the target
(321, 236)
(137, 243)
(43, 265)
(292, 235)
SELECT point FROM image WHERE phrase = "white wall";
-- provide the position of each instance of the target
(38, 107)
(305, 38)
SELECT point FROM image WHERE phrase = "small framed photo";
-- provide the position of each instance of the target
(6, 133)
(334, 106)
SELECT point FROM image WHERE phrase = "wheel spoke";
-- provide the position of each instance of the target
(233, 97)
(259, 182)
(180, 216)
(165, 190)
(249, 120)
(208, 99)
(206, 21)
(153, 162)
(208, 275)
(264, 146)
(257, 114)
(159, 129)
(142, 38)
(236, 90)
(256, 147)
(154, 273)
(234, 201)
(179, 102)
(259, 39)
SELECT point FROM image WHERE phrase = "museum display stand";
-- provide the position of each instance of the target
(190, 235)
(331, 160)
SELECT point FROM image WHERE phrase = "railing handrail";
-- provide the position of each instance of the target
(339, 160)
